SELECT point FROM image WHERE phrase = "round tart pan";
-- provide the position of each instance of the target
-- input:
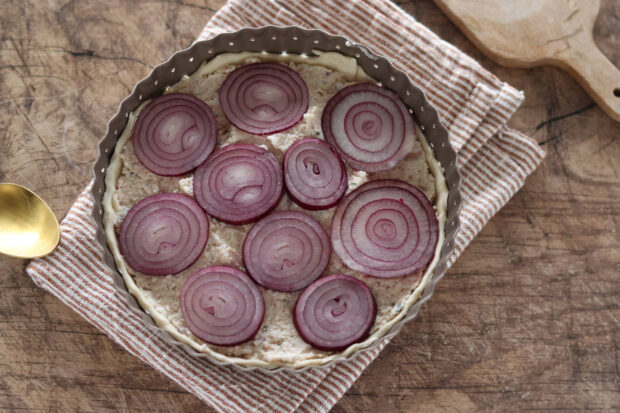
(296, 40)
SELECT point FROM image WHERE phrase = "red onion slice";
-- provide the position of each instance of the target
(286, 251)
(370, 126)
(385, 228)
(238, 183)
(314, 174)
(335, 312)
(163, 234)
(222, 305)
(174, 134)
(264, 98)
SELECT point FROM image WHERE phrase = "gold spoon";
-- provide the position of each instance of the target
(28, 227)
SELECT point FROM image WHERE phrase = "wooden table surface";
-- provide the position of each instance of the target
(527, 319)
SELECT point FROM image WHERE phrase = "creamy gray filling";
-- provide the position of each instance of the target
(277, 342)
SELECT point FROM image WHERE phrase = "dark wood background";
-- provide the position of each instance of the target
(527, 319)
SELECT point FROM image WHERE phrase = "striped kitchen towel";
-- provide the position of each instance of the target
(494, 161)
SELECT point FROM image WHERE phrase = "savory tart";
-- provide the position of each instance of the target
(275, 210)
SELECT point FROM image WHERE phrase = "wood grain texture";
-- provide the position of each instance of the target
(527, 319)
(525, 33)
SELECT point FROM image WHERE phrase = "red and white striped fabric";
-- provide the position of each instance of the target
(494, 161)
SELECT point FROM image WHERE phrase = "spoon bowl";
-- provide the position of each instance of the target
(28, 227)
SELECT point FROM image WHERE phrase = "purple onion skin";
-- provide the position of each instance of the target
(363, 335)
(218, 270)
(335, 349)
(157, 166)
(288, 183)
(234, 107)
(347, 246)
(251, 215)
(128, 249)
(400, 117)
(260, 258)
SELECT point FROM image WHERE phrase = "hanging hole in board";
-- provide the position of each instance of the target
(617, 92)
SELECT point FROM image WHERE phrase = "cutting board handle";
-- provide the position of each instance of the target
(596, 74)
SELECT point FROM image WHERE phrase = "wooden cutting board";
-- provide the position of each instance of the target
(528, 33)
